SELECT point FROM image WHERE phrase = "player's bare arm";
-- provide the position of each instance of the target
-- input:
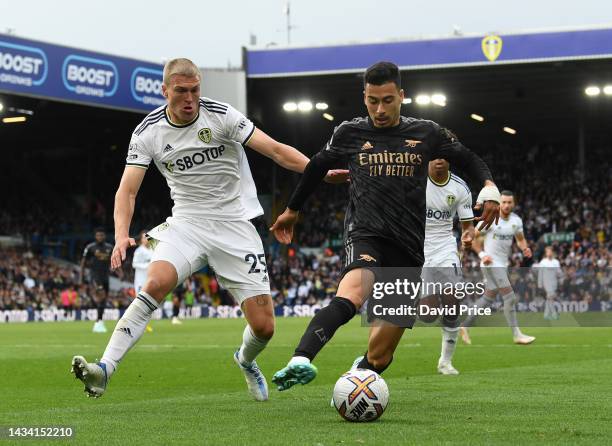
(467, 234)
(288, 157)
(521, 241)
(313, 174)
(478, 248)
(125, 198)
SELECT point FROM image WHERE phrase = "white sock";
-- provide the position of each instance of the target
(299, 360)
(482, 302)
(128, 331)
(546, 308)
(449, 343)
(510, 300)
(251, 346)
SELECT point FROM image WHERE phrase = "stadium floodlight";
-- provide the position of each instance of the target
(438, 99)
(321, 106)
(510, 130)
(304, 106)
(423, 99)
(328, 116)
(290, 107)
(592, 90)
(14, 119)
(607, 90)
(407, 101)
(476, 117)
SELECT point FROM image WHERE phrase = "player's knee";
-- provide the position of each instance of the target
(157, 288)
(263, 329)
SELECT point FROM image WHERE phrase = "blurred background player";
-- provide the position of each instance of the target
(549, 275)
(96, 257)
(140, 262)
(387, 155)
(447, 195)
(494, 257)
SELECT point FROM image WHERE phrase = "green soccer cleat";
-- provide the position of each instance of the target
(300, 373)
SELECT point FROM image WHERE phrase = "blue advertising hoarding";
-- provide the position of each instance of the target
(68, 74)
(419, 54)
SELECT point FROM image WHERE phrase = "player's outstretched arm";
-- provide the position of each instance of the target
(125, 198)
(288, 157)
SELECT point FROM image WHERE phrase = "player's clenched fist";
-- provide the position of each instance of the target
(119, 251)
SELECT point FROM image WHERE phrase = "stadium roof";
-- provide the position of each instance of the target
(490, 49)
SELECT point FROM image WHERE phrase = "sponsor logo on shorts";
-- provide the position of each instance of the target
(367, 258)
(205, 135)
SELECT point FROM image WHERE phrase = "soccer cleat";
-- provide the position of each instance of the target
(446, 368)
(93, 375)
(300, 373)
(176, 321)
(99, 327)
(256, 381)
(356, 362)
(524, 339)
(465, 336)
(149, 329)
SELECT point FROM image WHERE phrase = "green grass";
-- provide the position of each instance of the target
(179, 385)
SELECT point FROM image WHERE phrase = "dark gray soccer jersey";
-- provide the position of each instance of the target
(388, 170)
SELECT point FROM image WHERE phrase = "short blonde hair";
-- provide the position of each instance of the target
(180, 66)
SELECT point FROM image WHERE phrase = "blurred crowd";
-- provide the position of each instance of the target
(552, 196)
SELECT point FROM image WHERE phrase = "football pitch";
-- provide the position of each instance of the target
(179, 385)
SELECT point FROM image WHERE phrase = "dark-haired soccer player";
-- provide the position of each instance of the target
(97, 256)
(387, 156)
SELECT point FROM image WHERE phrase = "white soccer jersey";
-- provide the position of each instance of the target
(498, 239)
(444, 201)
(204, 162)
(140, 263)
(549, 273)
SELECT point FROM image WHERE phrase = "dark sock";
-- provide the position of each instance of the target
(101, 308)
(323, 326)
(175, 310)
(365, 364)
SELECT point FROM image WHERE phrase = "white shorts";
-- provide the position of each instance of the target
(232, 248)
(550, 292)
(441, 268)
(495, 277)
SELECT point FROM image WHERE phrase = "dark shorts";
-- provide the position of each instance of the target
(373, 253)
(389, 262)
(99, 281)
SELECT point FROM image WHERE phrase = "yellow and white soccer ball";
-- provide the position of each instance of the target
(361, 395)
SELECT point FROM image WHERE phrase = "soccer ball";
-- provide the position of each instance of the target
(361, 395)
